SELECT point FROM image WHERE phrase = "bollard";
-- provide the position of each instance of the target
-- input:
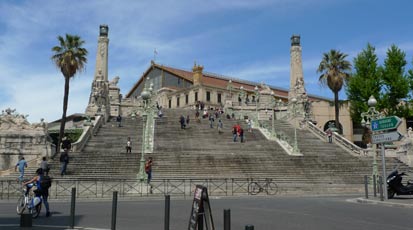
(114, 209)
(374, 186)
(26, 220)
(227, 219)
(167, 210)
(366, 187)
(72, 209)
(249, 227)
(381, 188)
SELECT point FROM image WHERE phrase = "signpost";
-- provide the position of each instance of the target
(386, 137)
(384, 124)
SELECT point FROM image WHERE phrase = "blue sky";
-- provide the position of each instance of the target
(238, 38)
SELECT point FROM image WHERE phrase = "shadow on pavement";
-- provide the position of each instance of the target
(55, 221)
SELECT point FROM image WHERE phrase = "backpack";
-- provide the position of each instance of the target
(45, 182)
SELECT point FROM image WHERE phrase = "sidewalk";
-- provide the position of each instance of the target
(45, 227)
(403, 201)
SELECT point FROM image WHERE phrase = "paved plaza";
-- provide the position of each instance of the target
(265, 213)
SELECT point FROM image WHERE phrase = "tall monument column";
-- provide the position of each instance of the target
(297, 89)
(99, 101)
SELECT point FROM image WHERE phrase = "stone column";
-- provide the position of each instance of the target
(297, 89)
(99, 101)
(197, 73)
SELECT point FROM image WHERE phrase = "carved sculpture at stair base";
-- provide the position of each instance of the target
(20, 138)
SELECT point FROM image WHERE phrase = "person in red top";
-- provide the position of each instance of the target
(236, 131)
(148, 168)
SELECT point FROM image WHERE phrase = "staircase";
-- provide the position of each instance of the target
(200, 152)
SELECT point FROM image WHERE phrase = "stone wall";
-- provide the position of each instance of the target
(20, 138)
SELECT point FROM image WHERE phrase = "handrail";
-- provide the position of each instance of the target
(280, 137)
(103, 188)
(348, 145)
(87, 133)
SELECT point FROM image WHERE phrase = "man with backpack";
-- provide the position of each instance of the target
(43, 183)
(64, 160)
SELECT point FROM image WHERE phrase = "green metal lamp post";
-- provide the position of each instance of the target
(242, 95)
(273, 103)
(295, 145)
(146, 117)
(257, 95)
(366, 118)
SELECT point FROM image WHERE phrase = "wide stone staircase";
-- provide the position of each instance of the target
(200, 152)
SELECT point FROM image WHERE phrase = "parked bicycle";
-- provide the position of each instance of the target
(30, 201)
(268, 186)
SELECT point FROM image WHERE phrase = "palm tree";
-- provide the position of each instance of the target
(70, 58)
(334, 71)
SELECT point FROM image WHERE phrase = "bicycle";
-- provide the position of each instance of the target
(268, 186)
(30, 200)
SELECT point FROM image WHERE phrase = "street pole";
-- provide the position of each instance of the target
(383, 160)
(366, 118)
(242, 97)
(257, 93)
(273, 104)
(146, 95)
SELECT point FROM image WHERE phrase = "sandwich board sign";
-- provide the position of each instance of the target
(201, 210)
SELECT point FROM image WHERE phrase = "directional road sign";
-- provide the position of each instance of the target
(386, 137)
(385, 123)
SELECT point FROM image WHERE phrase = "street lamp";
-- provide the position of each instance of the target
(241, 95)
(257, 95)
(366, 118)
(273, 103)
(295, 145)
(147, 116)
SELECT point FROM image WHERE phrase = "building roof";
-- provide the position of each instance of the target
(216, 80)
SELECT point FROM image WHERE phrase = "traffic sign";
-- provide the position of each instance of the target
(385, 123)
(386, 137)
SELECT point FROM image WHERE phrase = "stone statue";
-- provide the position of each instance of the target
(11, 120)
(99, 76)
(114, 81)
(41, 125)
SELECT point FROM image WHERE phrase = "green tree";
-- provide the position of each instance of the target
(364, 82)
(334, 71)
(70, 58)
(395, 82)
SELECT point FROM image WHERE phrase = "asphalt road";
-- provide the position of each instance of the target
(286, 213)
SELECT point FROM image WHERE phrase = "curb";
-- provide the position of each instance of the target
(379, 202)
(16, 226)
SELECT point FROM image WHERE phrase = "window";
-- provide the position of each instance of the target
(219, 98)
(196, 96)
(186, 99)
(170, 103)
(208, 96)
(177, 102)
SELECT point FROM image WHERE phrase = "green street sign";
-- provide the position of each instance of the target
(385, 123)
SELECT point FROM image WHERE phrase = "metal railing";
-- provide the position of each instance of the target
(61, 188)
